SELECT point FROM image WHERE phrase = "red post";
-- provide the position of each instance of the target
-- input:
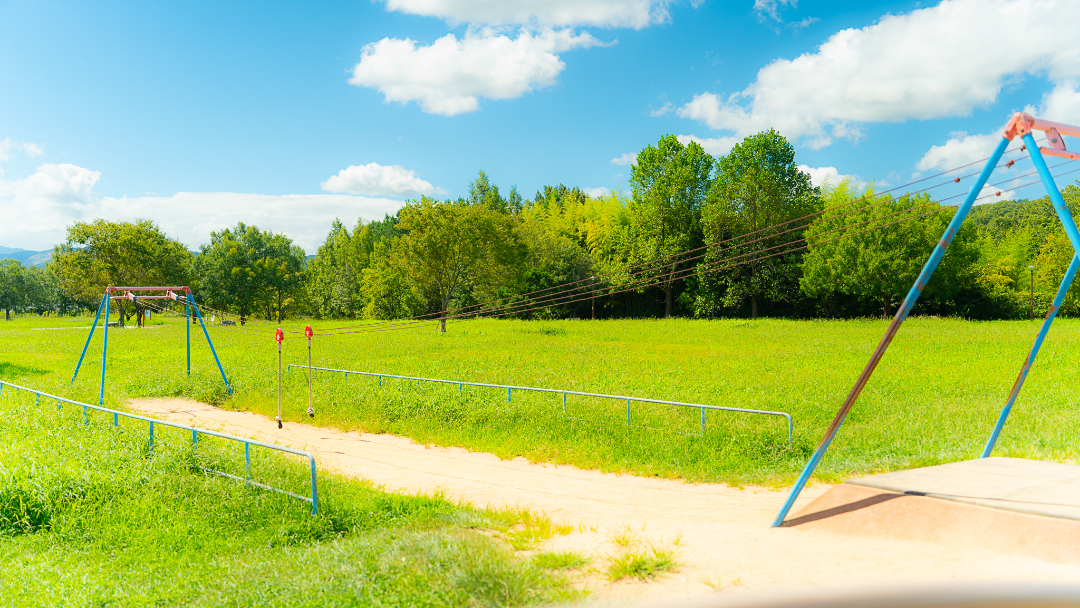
(310, 403)
(279, 337)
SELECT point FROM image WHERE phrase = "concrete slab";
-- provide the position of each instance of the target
(1005, 505)
(1036, 487)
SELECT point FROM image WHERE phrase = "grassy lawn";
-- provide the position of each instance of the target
(91, 516)
(933, 399)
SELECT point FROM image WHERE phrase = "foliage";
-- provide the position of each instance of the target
(757, 185)
(642, 565)
(670, 183)
(882, 264)
(104, 253)
(245, 268)
(451, 246)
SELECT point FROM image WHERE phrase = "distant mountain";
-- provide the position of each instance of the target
(28, 258)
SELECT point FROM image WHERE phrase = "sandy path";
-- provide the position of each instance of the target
(725, 538)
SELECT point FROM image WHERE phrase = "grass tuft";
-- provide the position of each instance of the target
(564, 560)
(644, 565)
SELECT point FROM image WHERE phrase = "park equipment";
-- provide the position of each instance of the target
(509, 388)
(171, 293)
(310, 402)
(195, 432)
(1020, 125)
(279, 337)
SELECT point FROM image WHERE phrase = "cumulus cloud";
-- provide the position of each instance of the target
(38, 209)
(374, 179)
(717, 146)
(664, 109)
(449, 76)
(930, 63)
(628, 158)
(959, 149)
(596, 192)
(634, 14)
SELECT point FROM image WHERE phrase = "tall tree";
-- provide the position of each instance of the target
(453, 246)
(670, 184)
(13, 286)
(881, 264)
(103, 253)
(757, 185)
(244, 266)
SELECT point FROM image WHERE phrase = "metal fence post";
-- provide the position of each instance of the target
(247, 459)
(314, 490)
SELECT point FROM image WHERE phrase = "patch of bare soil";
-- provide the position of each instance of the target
(721, 534)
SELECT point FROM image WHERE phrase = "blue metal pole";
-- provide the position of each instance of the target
(198, 314)
(314, 490)
(92, 328)
(1055, 195)
(890, 333)
(104, 349)
(187, 324)
(1050, 315)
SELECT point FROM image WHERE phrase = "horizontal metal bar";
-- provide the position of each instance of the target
(255, 483)
(565, 392)
(194, 430)
(181, 288)
(140, 297)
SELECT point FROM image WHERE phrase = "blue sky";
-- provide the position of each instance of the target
(200, 114)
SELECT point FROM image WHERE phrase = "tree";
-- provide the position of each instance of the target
(389, 292)
(757, 185)
(244, 267)
(670, 183)
(12, 286)
(883, 263)
(104, 253)
(450, 247)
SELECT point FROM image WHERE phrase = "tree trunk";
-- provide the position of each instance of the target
(885, 301)
(121, 317)
(668, 289)
(7, 314)
(243, 314)
(442, 323)
(753, 307)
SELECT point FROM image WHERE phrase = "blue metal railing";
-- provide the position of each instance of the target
(509, 388)
(195, 432)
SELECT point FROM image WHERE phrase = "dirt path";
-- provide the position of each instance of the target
(722, 533)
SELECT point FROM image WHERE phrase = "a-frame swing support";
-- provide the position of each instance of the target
(1021, 125)
(171, 293)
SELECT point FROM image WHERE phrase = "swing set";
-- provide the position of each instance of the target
(176, 294)
(1020, 125)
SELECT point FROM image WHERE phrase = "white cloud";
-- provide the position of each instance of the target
(448, 76)
(628, 158)
(819, 176)
(1062, 104)
(935, 62)
(717, 146)
(374, 179)
(597, 192)
(664, 109)
(37, 210)
(9, 146)
(992, 194)
(960, 149)
(771, 8)
(599, 13)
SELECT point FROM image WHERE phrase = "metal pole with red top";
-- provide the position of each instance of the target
(279, 337)
(310, 406)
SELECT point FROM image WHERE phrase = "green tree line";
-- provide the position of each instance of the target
(743, 235)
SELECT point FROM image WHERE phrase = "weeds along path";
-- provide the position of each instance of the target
(720, 534)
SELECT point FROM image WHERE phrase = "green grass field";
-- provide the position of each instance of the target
(934, 398)
(90, 515)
